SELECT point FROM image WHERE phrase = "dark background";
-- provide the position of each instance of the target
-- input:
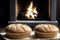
(5, 11)
(58, 11)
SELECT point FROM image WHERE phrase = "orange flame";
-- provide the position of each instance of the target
(31, 12)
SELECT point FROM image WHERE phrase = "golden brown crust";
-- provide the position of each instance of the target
(18, 28)
(18, 31)
(41, 34)
(46, 28)
(10, 33)
(18, 36)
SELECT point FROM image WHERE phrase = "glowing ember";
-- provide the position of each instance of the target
(31, 12)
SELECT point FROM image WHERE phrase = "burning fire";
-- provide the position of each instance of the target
(31, 12)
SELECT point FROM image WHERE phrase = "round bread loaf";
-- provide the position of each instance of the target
(18, 31)
(46, 30)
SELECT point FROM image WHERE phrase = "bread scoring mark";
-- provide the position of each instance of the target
(22, 27)
(45, 28)
(49, 27)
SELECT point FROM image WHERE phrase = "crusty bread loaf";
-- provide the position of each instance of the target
(46, 30)
(19, 30)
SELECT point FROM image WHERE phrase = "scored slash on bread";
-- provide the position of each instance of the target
(18, 28)
(18, 31)
(46, 30)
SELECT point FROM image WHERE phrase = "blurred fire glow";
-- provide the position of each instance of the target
(31, 12)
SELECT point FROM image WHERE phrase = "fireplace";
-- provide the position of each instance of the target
(33, 11)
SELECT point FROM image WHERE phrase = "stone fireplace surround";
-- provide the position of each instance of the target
(33, 23)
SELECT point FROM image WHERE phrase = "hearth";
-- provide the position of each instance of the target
(33, 12)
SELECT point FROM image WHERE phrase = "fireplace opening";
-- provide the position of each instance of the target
(33, 10)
